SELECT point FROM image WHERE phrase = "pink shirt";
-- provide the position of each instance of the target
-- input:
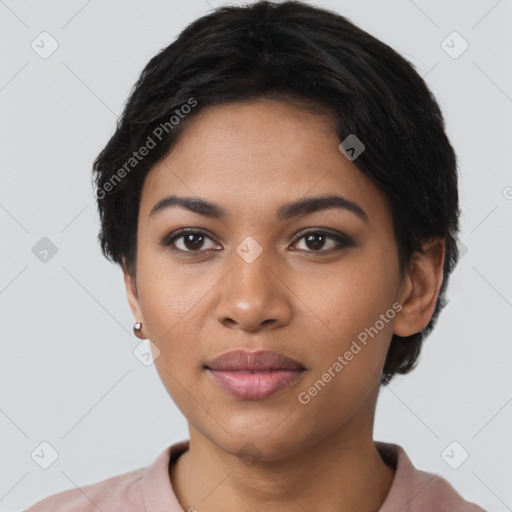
(149, 489)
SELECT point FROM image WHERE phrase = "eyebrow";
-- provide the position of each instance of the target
(284, 212)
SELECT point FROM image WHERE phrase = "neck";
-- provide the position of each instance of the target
(342, 472)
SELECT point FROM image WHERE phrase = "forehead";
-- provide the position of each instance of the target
(252, 157)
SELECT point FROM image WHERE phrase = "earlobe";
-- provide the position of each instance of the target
(421, 290)
(132, 295)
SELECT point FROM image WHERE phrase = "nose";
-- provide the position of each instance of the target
(254, 295)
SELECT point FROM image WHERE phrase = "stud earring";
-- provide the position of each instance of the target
(137, 330)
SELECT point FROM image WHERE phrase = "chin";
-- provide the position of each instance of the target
(256, 440)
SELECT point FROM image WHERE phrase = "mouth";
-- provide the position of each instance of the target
(255, 385)
(254, 375)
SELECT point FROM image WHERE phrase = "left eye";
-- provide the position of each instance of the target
(193, 241)
(318, 238)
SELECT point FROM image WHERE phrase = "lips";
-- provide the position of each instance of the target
(264, 360)
(254, 375)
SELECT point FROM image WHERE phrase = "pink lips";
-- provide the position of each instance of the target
(254, 375)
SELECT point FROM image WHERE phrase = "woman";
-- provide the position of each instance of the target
(282, 199)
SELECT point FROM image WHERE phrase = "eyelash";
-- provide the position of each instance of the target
(343, 241)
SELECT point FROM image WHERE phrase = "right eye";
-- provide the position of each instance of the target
(191, 240)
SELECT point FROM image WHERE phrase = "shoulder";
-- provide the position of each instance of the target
(440, 495)
(413, 490)
(112, 494)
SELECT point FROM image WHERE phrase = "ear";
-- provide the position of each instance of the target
(420, 288)
(132, 294)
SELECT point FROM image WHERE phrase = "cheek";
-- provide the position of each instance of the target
(171, 305)
(355, 303)
(351, 296)
(166, 294)
(348, 370)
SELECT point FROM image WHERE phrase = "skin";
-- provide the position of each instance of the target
(297, 298)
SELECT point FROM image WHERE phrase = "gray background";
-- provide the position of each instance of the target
(68, 373)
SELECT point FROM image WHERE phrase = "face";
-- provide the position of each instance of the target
(309, 283)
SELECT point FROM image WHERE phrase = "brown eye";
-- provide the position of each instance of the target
(193, 241)
(315, 241)
(189, 241)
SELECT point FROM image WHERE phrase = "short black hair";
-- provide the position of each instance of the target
(314, 59)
